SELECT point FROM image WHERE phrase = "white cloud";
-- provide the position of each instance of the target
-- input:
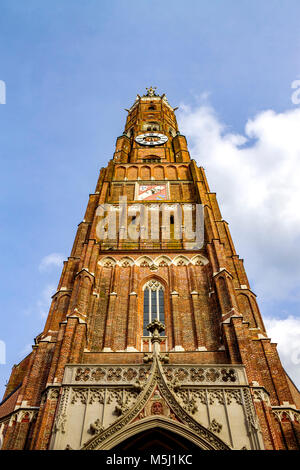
(256, 176)
(257, 180)
(286, 332)
(25, 351)
(52, 260)
(43, 303)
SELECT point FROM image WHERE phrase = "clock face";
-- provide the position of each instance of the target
(152, 192)
(151, 138)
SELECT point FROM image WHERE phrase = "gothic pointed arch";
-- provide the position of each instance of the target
(157, 423)
(132, 173)
(130, 420)
(107, 262)
(120, 173)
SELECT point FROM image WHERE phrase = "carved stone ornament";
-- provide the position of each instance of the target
(23, 415)
(147, 261)
(157, 408)
(128, 411)
(148, 357)
(202, 375)
(164, 358)
(95, 427)
(53, 394)
(151, 91)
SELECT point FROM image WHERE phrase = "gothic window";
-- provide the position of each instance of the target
(154, 307)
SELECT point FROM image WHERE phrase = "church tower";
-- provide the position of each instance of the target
(154, 339)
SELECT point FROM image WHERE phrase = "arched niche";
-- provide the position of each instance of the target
(162, 261)
(145, 173)
(107, 262)
(181, 260)
(126, 262)
(132, 173)
(158, 173)
(120, 173)
(183, 173)
(171, 172)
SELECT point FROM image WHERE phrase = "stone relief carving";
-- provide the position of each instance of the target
(201, 375)
(209, 396)
(111, 374)
(130, 393)
(114, 375)
(24, 415)
(163, 264)
(124, 400)
(200, 396)
(188, 401)
(251, 416)
(79, 395)
(136, 406)
(148, 357)
(215, 426)
(123, 397)
(215, 396)
(164, 358)
(157, 408)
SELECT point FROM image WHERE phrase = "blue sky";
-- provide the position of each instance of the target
(70, 68)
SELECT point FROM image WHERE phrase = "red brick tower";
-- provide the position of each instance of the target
(204, 374)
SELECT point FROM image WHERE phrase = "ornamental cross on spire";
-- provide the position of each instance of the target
(151, 91)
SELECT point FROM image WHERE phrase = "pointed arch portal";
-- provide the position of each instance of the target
(156, 440)
(159, 434)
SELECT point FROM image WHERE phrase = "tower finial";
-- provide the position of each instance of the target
(151, 91)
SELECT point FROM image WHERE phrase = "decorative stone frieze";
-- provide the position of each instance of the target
(191, 375)
(87, 374)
